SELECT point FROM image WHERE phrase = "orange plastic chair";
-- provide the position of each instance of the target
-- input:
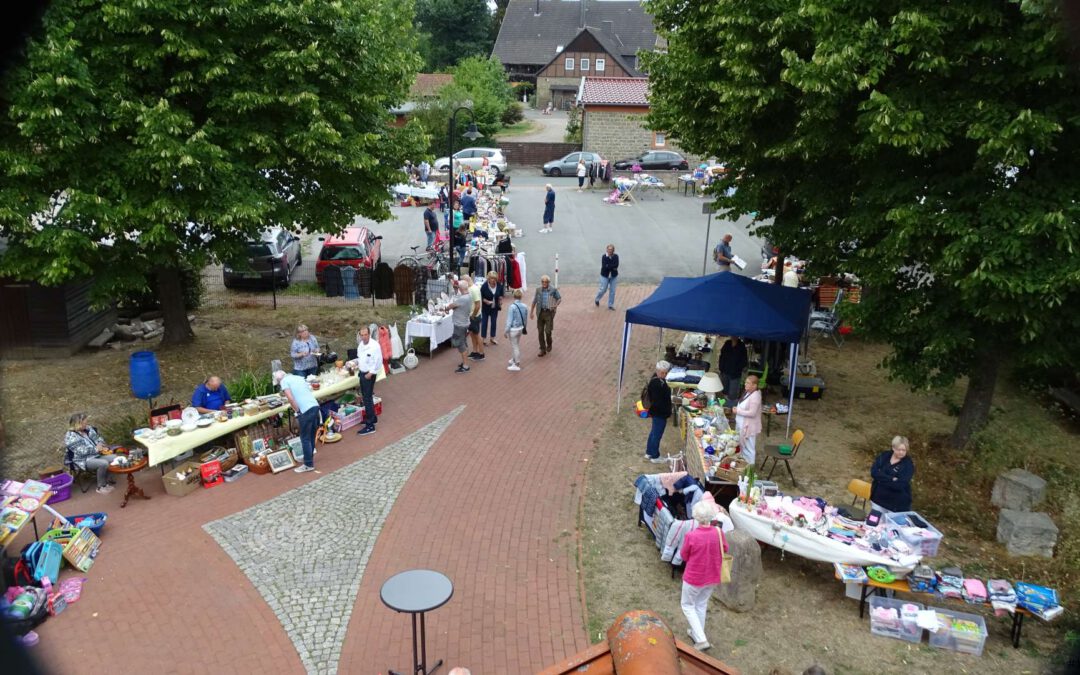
(860, 489)
(773, 452)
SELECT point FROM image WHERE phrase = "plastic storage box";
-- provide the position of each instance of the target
(959, 632)
(900, 620)
(926, 544)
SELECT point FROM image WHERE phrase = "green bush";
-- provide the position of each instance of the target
(514, 113)
(249, 384)
(573, 125)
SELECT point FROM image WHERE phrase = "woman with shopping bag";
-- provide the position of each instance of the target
(707, 566)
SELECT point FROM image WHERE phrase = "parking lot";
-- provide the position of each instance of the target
(660, 235)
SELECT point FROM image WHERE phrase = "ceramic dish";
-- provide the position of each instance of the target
(142, 432)
(205, 421)
(189, 427)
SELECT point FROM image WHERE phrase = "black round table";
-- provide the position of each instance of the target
(417, 592)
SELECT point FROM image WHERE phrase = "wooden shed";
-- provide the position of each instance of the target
(38, 322)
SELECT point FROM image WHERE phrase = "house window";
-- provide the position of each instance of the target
(659, 139)
(569, 65)
(600, 65)
(584, 64)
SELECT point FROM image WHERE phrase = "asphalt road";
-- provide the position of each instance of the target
(654, 237)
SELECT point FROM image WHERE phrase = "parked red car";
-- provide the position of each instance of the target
(356, 247)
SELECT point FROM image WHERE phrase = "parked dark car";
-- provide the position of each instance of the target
(274, 257)
(655, 160)
(567, 166)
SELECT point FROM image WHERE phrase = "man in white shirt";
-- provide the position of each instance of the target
(369, 356)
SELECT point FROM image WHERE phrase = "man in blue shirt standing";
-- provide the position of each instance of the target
(304, 404)
(468, 204)
(211, 395)
(722, 254)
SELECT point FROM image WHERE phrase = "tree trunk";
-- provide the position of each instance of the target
(980, 394)
(171, 298)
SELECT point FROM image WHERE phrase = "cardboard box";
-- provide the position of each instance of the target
(180, 488)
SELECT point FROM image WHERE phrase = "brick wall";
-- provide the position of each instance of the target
(544, 93)
(522, 154)
(618, 134)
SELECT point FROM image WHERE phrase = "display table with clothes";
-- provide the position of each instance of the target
(665, 502)
(162, 449)
(809, 528)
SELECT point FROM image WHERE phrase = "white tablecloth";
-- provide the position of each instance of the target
(803, 542)
(438, 332)
(426, 191)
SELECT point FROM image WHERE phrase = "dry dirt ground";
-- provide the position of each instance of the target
(37, 396)
(802, 616)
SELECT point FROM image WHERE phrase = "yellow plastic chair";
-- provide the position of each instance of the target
(860, 489)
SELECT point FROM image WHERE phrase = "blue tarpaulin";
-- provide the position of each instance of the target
(724, 303)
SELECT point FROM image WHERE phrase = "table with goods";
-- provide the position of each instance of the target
(195, 430)
(47, 574)
(950, 628)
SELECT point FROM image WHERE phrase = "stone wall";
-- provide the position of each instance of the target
(544, 93)
(619, 134)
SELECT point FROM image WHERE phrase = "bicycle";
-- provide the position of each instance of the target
(433, 259)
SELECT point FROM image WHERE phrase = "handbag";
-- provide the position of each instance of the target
(524, 323)
(726, 560)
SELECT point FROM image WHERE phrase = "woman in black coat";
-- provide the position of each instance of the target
(892, 473)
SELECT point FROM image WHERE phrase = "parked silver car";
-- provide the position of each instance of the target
(567, 166)
(272, 258)
(473, 158)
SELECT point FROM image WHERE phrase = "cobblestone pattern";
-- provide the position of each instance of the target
(306, 550)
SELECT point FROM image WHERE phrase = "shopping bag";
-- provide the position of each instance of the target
(727, 561)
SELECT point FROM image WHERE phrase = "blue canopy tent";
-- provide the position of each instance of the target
(725, 304)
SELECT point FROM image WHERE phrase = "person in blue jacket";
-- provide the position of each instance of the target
(549, 209)
(892, 473)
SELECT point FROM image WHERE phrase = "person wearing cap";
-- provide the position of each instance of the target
(306, 407)
(83, 448)
(210, 396)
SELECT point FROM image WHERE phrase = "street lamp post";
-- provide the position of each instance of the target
(472, 134)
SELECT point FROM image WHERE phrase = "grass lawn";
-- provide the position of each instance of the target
(802, 616)
(518, 129)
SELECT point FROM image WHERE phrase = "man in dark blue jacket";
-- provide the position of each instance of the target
(468, 204)
(609, 275)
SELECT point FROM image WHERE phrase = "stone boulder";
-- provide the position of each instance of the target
(1027, 533)
(741, 594)
(102, 339)
(1018, 490)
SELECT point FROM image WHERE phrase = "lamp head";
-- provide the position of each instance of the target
(472, 133)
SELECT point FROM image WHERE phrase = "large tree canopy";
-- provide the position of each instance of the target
(932, 148)
(453, 30)
(141, 137)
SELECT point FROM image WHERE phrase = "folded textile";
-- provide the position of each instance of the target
(1002, 596)
(668, 480)
(974, 591)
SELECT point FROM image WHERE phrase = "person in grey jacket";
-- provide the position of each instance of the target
(515, 325)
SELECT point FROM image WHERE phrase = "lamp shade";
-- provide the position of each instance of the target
(710, 383)
(472, 133)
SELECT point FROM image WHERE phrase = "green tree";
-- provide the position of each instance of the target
(457, 29)
(480, 84)
(143, 138)
(931, 148)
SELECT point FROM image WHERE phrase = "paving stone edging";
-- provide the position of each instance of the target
(308, 564)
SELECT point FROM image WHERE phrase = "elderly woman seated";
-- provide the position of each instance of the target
(84, 449)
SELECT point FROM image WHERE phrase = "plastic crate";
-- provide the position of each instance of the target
(965, 642)
(904, 628)
(60, 485)
(927, 545)
(348, 421)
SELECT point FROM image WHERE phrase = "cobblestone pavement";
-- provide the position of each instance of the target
(306, 550)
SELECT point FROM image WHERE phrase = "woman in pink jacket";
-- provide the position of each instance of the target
(702, 551)
(748, 419)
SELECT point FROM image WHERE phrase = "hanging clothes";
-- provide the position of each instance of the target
(386, 344)
(383, 281)
(520, 257)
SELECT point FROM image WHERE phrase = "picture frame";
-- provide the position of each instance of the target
(280, 460)
(258, 446)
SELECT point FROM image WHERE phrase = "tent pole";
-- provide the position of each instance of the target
(659, 341)
(622, 366)
(793, 361)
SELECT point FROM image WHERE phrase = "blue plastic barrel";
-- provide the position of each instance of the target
(145, 376)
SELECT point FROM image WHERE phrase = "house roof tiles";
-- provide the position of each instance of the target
(615, 91)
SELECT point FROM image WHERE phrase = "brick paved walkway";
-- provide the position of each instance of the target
(493, 504)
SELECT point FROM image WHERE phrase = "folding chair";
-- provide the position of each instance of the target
(775, 453)
(826, 323)
(83, 477)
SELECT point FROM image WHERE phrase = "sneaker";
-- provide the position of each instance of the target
(611, 308)
(702, 646)
(514, 368)
(304, 468)
(366, 431)
(478, 357)
(596, 302)
(105, 490)
(658, 460)
(462, 369)
(510, 362)
(648, 457)
(542, 353)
